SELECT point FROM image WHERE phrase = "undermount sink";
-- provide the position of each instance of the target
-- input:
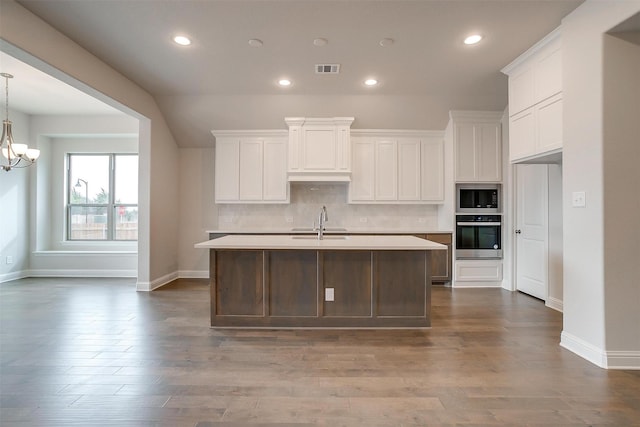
(325, 237)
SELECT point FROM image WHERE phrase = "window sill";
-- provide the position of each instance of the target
(81, 252)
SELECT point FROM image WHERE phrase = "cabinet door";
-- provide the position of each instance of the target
(521, 90)
(549, 120)
(522, 129)
(548, 75)
(362, 187)
(409, 176)
(274, 187)
(432, 165)
(441, 260)
(319, 148)
(227, 173)
(251, 169)
(489, 155)
(386, 176)
(465, 152)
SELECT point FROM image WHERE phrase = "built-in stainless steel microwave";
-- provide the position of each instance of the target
(478, 198)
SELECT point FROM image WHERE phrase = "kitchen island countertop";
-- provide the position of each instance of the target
(329, 230)
(348, 242)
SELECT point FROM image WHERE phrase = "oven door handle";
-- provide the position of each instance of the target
(480, 224)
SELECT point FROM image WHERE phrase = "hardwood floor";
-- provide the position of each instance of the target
(93, 352)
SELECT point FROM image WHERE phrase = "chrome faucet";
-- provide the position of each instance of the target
(322, 218)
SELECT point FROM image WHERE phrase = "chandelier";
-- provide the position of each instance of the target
(15, 155)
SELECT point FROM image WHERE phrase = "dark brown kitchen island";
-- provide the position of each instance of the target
(341, 281)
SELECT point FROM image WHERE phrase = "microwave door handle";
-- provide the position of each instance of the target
(480, 224)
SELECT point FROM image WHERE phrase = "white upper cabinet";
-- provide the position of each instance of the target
(432, 170)
(274, 182)
(227, 172)
(535, 101)
(386, 172)
(319, 148)
(251, 167)
(477, 146)
(409, 170)
(391, 167)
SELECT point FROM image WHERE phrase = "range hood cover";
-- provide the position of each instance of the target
(319, 149)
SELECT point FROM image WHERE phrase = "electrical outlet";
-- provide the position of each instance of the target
(329, 294)
(363, 219)
(9, 259)
(578, 199)
(422, 220)
(288, 219)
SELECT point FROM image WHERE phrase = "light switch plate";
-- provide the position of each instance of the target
(578, 199)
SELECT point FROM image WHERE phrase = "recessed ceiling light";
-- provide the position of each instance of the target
(255, 43)
(320, 42)
(371, 82)
(182, 40)
(386, 42)
(473, 39)
(284, 82)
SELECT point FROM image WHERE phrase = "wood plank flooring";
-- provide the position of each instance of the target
(94, 352)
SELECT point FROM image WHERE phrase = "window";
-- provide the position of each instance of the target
(102, 197)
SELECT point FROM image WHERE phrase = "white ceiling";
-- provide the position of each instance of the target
(33, 92)
(427, 61)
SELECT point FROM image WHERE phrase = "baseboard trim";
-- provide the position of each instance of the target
(193, 274)
(623, 360)
(583, 349)
(14, 275)
(155, 284)
(479, 284)
(81, 273)
(554, 303)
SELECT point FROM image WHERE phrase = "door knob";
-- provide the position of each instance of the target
(518, 231)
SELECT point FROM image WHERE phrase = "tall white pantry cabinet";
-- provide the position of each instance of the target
(477, 144)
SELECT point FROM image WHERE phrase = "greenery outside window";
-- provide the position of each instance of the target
(102, 197)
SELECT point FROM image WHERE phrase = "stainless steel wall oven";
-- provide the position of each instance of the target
(478, 236)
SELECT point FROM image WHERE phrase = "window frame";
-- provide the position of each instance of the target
(110, 206)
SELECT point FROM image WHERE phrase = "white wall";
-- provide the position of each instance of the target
(198, 211)
(555, 258)
(585, 290)
(14, 209)
(31, 40)
(621, 150)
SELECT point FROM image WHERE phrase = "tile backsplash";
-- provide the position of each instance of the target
(308, 198)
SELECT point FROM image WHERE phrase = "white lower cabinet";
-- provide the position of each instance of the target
(478, 273)
(251, 169)
(397, 169)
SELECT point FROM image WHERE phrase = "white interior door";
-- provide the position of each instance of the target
(531, 230)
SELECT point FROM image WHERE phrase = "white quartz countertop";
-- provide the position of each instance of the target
(329, 230)
(350, 242)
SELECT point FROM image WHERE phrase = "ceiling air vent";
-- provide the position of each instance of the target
(327, 68)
